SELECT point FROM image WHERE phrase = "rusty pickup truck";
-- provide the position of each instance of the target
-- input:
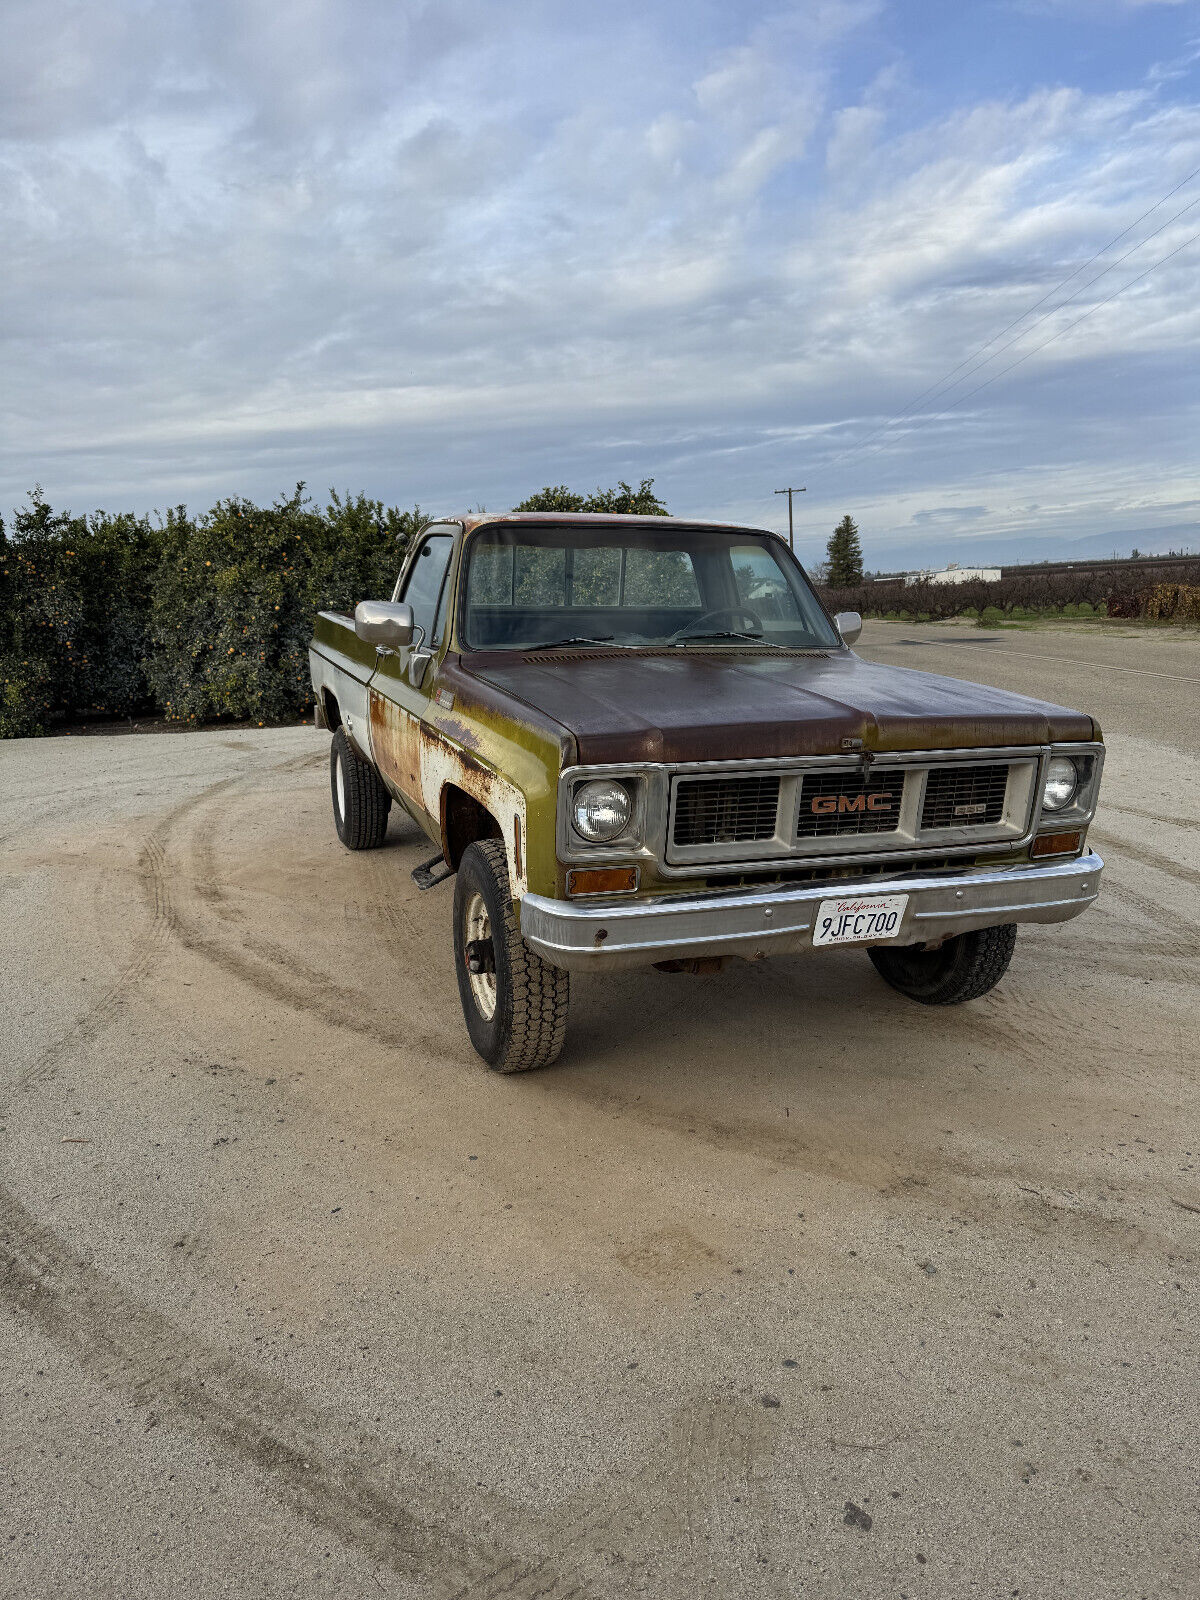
(643, 741)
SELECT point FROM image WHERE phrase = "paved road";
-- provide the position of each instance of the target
(776, 1286)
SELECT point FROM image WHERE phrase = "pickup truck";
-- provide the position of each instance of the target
(644, 741)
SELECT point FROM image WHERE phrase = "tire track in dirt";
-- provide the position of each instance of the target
(1149, 816)
(149, 947)
(415, 1519)
(269, 968)
(1146, 857)
(396, 1508)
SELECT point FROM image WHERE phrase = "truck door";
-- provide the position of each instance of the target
(403, 681)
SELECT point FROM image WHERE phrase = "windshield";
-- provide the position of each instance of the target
(531, 586)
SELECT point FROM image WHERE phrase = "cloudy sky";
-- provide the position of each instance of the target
(447, 252)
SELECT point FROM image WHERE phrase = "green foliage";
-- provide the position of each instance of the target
(845, 555)
(237, 591)
(624, 500)
(201, 618)
(559, 498)
(74, 609)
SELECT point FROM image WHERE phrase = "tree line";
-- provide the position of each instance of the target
(201, 618)
(198, 618)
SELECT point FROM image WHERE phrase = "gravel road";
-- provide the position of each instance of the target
(777, 1285)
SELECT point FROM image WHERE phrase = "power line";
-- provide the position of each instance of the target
(1046, 315)
(1100, 304)
(1050, 293)
(943, 382)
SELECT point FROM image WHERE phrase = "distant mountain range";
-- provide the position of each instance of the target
(984, 552)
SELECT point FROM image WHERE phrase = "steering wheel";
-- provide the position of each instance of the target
(756, 622)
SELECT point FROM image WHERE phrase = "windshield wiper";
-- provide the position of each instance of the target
(729, 633)
(582, 638)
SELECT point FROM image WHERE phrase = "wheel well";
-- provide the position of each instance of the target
(464, 819)
(333, 714)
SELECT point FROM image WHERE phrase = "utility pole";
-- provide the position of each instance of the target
(791, 534)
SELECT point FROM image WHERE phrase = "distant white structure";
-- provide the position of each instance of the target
(956, 574)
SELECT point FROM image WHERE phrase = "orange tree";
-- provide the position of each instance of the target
(236, 592)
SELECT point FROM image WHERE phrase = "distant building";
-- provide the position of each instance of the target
(956, 574)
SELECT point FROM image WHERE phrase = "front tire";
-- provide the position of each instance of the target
(360, 801)
(963, 968)
(515, 1004)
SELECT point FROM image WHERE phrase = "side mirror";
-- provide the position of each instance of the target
(384, 622)
(849, 625)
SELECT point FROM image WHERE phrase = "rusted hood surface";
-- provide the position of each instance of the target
(694, 706)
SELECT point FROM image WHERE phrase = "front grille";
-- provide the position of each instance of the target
(964, 797)
(833, 804)
(725, 810)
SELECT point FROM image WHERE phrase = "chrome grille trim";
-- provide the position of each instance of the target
(655, 783)
(916, 820)
(834, 804)
(967, 796)
(732, 810)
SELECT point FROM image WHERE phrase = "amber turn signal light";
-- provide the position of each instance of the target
(602, 880)
(1056, 844)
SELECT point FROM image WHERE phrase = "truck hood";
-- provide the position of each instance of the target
(708, 706)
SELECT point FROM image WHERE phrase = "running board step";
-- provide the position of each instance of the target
(432, 872)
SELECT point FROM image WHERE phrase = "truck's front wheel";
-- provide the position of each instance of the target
(515, 1004)
(360, 801)
(962, 968)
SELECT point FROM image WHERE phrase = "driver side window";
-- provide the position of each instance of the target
(761, 584)
(425, 586)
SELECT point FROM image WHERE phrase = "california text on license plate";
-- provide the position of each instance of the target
(855, 920)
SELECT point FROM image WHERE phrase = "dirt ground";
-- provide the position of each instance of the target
(776, 1285)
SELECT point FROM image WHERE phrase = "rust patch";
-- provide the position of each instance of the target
(454, 728)
(518, 855)
(396, 745)
(471, 774)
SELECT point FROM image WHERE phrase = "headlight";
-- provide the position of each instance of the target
(601, 810)
(1062, 780)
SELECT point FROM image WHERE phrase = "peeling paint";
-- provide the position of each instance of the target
(396, 745)
(442, 763)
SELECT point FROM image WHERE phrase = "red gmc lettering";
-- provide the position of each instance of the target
(825, 804)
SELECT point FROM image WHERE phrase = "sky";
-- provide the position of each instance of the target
(447, 252)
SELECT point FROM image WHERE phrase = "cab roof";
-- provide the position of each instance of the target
(585, 519)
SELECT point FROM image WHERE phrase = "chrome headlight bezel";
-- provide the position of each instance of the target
(1080, 807)
(646, 784)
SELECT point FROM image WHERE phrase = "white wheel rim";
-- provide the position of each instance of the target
(478, 925)
(339, 780)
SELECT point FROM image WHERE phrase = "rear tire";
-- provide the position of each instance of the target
(516, 1012)
(961, 969)
(360, 801)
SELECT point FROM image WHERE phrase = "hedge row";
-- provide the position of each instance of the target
(197, 618)
(1174, 596)
(210, 617)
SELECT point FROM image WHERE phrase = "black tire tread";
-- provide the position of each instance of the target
(363, 826)
(980, 960)
(540, 992)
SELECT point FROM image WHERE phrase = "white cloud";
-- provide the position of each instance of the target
(449, 253)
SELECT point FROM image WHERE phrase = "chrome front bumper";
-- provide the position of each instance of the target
(583, 934)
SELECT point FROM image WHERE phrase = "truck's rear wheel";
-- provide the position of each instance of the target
(515, 1004)
(961, 969)
(360, 801)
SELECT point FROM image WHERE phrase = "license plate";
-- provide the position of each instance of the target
(859, 919)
